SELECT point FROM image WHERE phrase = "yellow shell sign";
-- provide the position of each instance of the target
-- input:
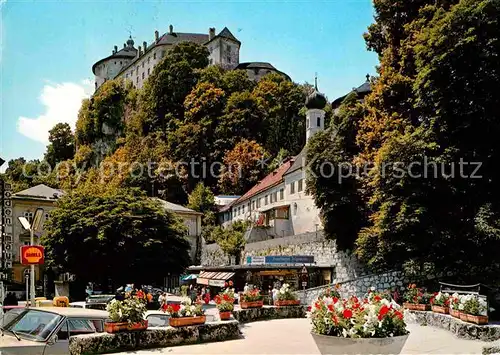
(31, 255)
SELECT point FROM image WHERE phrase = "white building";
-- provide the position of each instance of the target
(137, 65)
(278, 204)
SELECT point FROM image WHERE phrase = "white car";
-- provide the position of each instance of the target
(46, 331)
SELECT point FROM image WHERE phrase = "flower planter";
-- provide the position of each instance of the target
(463, 317)
(454, 313)
(225, 315)
(285, 303)
(417, 307)
(440, 309)
(185, 321)
(114, 327)
(338, 345)
(480, 320)
(254, 304)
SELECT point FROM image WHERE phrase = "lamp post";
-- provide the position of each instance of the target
(304, 276)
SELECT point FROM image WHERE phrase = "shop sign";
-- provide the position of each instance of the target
(294, 259)
(256, 260)
(278, 273)
(32, 255)
(202, 281)
(216, 283)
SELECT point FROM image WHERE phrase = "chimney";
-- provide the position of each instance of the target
(124, 45)
(211, 33)
(139, 51)
(145, 46)
(157, 36)
(116, 49)
(171, 29)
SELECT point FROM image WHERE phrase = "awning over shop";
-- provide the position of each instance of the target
(189, 277)
(214, 278)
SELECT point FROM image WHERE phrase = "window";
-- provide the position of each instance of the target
(271, 198)
(282, 213)
(249, 209)
(149, 59)
(228, 48)
(83, 326)
(120, 63)
(318, 121)
(148, 71)
(258, 202)
(307, 122)
(282, 194)
(275, 196)
(142, 75)
(154, 55)
(292, 188)
(265, 200)
(228, 59)
(63, 333)
(295, 208)
(300, 185)
(137, 70)
(243, 209)
(253, 204)
(29, 216)
(137, 80)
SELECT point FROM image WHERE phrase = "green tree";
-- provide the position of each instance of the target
(62, 144)
(121, 235)
(202, 200)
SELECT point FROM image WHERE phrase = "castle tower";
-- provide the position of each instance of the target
(315, 115)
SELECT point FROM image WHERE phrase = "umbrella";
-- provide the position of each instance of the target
(189, 277)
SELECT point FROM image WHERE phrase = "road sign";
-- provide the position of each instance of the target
(304, 270)
(37, 221)
(304, 283)
(32, 255)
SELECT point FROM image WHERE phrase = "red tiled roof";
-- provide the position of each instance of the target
(269, 181)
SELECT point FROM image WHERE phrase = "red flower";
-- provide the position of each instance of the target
(174, 308)
(398, 314)
(330, 307)
(317, 305)
(335, 300)
(225, 284)
(226, 297)
(309, 308)
(382, 312)
(347, 313)
(334, 318)
(355, 299)
(377, 298)
(217, 299)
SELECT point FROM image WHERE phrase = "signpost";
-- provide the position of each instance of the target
(5, 230)
(304, 275)
(32, 254)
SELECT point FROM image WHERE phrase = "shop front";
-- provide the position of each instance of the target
(266, 272)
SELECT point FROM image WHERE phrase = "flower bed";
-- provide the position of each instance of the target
(126, 315)
(186, 313)
(225, 303)
(353, 326)
(267, 312)
(251, 299)
(416, 299)
(101, 343)
(286, 297)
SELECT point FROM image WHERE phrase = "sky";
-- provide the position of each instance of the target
(47, 49)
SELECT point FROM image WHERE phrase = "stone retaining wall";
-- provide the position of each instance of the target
(269, 312)
(491, 349)
(102, 343)
(460, 328)
(360, 286)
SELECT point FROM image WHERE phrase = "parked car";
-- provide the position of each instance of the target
(46, 331)
(98, 301)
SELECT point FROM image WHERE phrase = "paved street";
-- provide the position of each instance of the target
(291, 336)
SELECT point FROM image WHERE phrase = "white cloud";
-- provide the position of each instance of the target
(62, 102)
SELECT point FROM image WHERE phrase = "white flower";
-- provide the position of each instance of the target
(372, 288)
(344, 333)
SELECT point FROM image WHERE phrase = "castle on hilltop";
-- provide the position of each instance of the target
(136, 64)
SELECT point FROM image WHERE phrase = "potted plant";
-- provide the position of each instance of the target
(126, 315)
(251, 299)
(373, 325)
(286, 297)
(440, 302)
(462, 300)
(453, 303)
(186, 313)
(225, 303)
(416, 299)
(476, 309)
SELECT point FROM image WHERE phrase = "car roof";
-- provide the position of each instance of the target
(74, 312)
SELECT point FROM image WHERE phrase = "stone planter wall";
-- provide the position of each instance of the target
(103, 343)
(360, 286)
(256, 314)
(461, 329)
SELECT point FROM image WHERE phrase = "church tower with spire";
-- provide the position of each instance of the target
(315, 115)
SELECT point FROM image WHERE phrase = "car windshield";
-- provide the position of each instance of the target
(34, 324)
(10, 315)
